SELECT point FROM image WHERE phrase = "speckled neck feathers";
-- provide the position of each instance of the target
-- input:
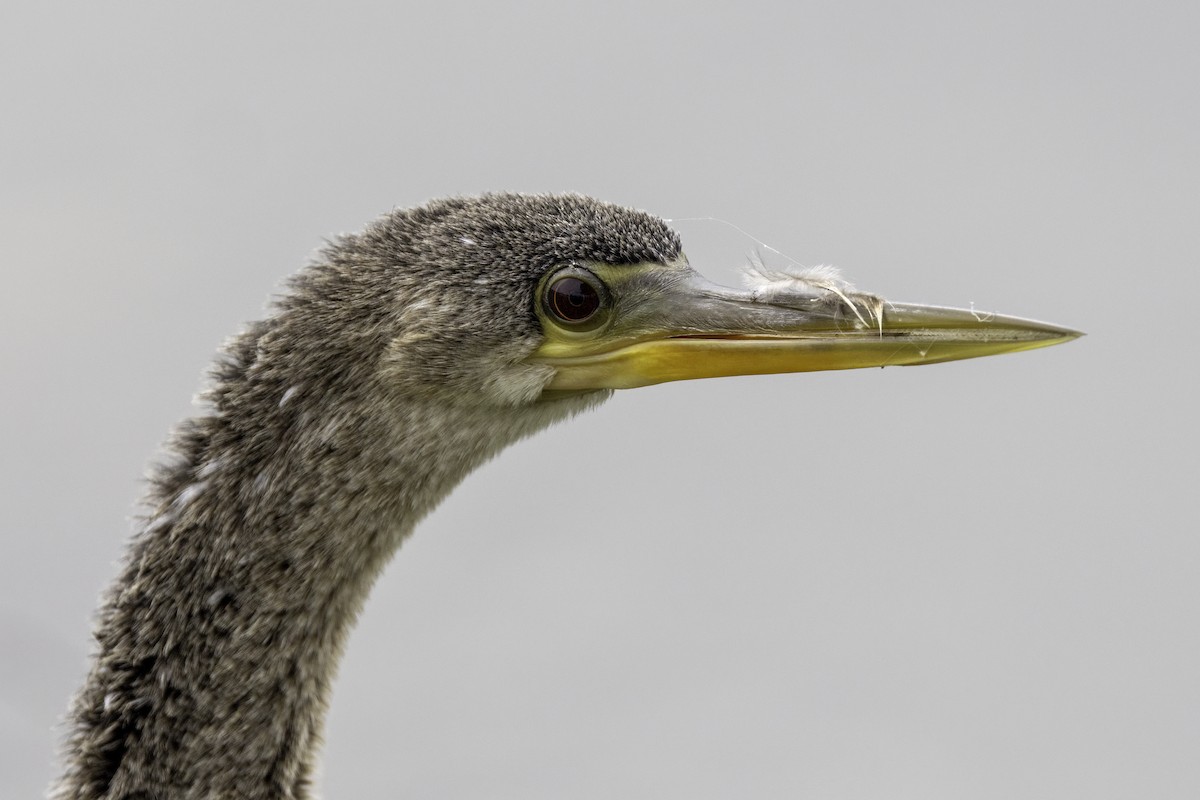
(335, 426)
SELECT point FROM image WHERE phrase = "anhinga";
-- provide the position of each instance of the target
(399, 361)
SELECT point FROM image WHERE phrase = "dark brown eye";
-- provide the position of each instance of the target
(572, 299)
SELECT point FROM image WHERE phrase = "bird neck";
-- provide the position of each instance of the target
(218, 644)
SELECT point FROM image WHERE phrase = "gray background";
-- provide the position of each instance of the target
(967, 580)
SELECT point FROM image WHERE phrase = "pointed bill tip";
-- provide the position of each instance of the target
(931, 334)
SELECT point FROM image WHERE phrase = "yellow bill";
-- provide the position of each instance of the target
(619, 327)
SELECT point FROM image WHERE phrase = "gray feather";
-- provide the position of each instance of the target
(391, 368)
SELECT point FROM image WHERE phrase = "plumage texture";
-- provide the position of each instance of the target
(392, 367)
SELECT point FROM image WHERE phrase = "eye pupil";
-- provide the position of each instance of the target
(572, 300)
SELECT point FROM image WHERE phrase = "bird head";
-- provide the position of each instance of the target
(513, 300)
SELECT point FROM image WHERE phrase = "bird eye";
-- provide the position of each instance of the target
(572, 300)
